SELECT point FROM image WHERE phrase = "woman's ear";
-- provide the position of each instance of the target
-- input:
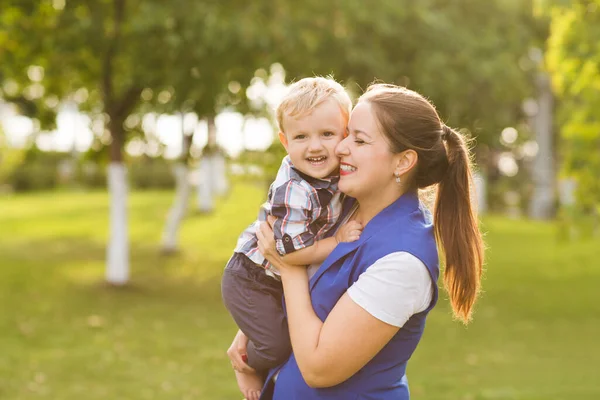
(406, 162)
(283, 140)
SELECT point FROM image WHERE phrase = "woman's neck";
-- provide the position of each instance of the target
(370, 206)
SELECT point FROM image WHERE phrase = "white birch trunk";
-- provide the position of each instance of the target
(542, 200)
(178, 210)
(480, 189)
(220, 182)
(117, 257)
(205, 185)
(206, 171)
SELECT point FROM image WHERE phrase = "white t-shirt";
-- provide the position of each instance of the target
(394, 288)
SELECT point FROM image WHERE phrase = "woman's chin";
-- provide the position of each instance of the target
(345, 188)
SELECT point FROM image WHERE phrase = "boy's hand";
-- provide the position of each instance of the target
(349, 232)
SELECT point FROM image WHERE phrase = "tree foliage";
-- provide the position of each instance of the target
(469, 57)
(180, 54)
(132, 56)
(573, 59)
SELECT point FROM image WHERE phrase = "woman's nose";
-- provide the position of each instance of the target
(341, 148)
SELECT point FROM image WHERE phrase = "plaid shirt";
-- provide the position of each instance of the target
(305, 208)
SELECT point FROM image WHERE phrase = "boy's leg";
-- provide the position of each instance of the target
(254, 301)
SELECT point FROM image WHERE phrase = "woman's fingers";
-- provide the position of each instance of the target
(246, 369)
(259, 234)
(238, 363)
(266, 241)
(235, 357)
(237, 353)
(266, 230)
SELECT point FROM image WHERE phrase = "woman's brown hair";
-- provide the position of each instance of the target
(410, 122)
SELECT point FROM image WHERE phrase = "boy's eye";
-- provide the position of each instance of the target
(299, 137)
(328, 134)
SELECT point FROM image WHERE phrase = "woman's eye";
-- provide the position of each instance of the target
(358, 141)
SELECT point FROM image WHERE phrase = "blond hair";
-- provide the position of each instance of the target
(307, 94)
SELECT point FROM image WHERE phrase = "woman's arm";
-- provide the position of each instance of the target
(329, 353)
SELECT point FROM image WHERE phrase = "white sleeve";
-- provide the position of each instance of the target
(394, 288)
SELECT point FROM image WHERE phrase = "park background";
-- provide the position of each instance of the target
(136, 143)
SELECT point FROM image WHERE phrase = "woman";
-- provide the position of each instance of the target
(354, 326)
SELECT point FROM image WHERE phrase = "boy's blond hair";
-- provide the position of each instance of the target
(308, 93)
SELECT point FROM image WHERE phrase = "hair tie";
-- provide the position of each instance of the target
(445, 132)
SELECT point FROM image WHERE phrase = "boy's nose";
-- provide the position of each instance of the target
(315, 144)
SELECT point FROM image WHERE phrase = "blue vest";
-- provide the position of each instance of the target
(406, 226)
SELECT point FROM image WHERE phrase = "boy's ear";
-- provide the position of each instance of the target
(283, 140)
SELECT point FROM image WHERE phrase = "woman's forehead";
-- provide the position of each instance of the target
(363, 119)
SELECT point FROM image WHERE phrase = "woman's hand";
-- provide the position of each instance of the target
(266, 241)
(266, 246)
(237, 353)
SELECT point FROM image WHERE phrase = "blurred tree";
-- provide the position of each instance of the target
(469, 57)
(21, 78)
(209, 70)
(573, 59)
(110, 52)
(10, 159)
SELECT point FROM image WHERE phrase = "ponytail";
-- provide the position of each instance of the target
(457, 229)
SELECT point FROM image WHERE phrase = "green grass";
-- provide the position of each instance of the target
(66, 335)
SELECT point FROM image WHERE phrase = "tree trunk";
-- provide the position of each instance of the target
(117, 260)
(178, 210)
(117, 268)
(205, 184)
(206, 171)
(182, 194)
(220, 182)
(480, 192)
(543, 199)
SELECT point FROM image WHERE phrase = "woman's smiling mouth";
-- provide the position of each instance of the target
(346, 169)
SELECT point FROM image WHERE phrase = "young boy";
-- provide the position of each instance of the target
(304, 198)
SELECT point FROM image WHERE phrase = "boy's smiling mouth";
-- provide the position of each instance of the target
(316, 160)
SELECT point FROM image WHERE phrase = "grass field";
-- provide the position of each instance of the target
(66, 335)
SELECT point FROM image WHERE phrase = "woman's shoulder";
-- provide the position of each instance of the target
(409, 233)
(414, 226)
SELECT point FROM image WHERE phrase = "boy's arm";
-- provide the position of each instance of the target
(320, 250)
(292, 209)
(315, 254)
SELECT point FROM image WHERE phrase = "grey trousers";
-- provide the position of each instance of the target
(254, 300)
